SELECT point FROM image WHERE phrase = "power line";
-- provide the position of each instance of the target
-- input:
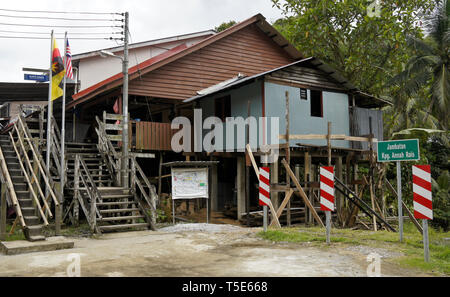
(59, 26)
(79, 38)
(62, 12)
(61, 33)
(55, 18)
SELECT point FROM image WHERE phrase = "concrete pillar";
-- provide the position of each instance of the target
(240, 186)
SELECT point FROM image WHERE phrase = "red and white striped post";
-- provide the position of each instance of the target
(327, 195)
(264, 192)
(422, 197)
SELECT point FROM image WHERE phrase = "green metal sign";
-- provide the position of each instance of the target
(398, 150)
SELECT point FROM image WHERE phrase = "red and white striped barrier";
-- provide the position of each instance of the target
(264, 186)
(327, 188)
(423, 207)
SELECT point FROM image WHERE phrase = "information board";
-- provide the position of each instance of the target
(189, 183)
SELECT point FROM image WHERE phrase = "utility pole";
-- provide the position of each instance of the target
(124, 163)
(49, 110)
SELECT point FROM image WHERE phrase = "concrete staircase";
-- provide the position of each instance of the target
(33, 230)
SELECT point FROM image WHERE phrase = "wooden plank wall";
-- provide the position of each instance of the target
(152, 136)
(305, 76)
(248, 51)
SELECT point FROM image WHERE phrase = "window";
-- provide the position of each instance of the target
(303, 94)
(223, 107)
(316, 104)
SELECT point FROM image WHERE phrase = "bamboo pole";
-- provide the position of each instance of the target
(36, 200)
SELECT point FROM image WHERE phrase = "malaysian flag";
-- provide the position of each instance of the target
(69, 73)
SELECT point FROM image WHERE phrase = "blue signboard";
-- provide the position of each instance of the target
(36, 77)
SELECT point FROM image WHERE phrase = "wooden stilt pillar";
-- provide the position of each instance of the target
(339, 197)
(274, 180)
(240, 186)
(307, 167)
(3, 212)
(288, 160)
(214, 188)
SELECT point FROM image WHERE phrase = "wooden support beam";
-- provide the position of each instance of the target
(302, 193)
(405, 207)
(255, 167)
(252, 159)
(283, 205)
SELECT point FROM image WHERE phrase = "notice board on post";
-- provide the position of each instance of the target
(189, 183)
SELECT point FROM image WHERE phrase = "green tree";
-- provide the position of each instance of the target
(366, 47)
(429, 68)
(224, 26)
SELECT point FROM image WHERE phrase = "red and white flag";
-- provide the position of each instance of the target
(327, 188)
(69, 72)
(423, 207)
(264, 186)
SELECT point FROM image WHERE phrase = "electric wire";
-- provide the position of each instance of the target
(61, 26)
(71, 33)
(56, 18)
(43, 38)
(62, 12)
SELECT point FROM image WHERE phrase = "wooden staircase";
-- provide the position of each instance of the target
(106, 206)
(33, 226)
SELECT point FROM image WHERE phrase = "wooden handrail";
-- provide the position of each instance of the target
(46, 174)
(36, 199)
(150, 200)
(92, 192)
(12, 192)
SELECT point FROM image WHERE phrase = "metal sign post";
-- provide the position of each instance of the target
(423, 202)
(327, 196)
(398, 150)
(426, 244)
(264, 192)
(399, 199)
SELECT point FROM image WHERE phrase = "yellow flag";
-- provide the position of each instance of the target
(58, 72)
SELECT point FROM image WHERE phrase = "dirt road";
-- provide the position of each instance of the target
(228, 251)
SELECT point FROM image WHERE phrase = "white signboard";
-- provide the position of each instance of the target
(189, 183)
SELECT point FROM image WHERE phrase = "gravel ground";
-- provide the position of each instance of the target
(210, 228)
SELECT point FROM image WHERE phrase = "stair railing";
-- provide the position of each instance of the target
(82, 174)
(10, 186)
(150, 197)
(109, 153)
(49, 182)
(56, 146)
(21, 151)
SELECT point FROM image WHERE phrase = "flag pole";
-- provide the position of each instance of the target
(63, 122)
(49, 111)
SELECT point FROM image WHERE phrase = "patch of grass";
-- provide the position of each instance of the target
(16, 235)
(411, 247)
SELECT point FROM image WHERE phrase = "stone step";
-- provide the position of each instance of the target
(112, 219)
(100, 204)
(25, 202)
(122, 227)
(118, 210)
(118, 196)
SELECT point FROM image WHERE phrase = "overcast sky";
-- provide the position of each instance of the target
(150, 19)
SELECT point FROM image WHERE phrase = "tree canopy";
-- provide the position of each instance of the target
(364, 40)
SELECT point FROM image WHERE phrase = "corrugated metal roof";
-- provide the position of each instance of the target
(315, 62)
